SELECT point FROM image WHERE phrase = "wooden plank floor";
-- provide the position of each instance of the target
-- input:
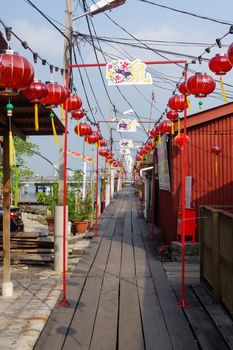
(121, 297)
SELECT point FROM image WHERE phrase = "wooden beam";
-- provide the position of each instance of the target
(15, 129)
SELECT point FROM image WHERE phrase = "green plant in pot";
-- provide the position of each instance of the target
(84, 214)
(50, 201)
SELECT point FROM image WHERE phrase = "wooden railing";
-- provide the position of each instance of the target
(216, 253)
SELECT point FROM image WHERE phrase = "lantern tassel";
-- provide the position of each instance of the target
(216, 165)
(54, 128)
(159, 139)
(172, 132)
(36, 116)
(62, 112)
(178, 125)
(12, 156)
(223, 90)
(188, 103)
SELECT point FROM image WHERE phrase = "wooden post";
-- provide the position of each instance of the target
(7, 286)
(216, 257)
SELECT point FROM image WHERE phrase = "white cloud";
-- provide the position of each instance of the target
(42, 39)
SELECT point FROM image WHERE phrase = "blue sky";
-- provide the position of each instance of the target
(142, 20)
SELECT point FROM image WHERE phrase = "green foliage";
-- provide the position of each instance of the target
(50, 200)
(24, 149)
(85, 209)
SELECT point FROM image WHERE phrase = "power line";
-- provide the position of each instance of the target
(187, 13)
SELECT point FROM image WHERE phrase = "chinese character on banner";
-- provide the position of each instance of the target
(124, 72)
(126, 143)
(127, 125)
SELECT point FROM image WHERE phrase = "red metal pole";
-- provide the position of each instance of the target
(96, 194)
(182, 302)
(64, 302)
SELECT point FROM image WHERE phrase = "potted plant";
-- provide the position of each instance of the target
(84, 213)
(50, 201)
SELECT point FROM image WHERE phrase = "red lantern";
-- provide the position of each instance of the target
(83, 129)
(172, 115)
(79, 114)
(73, 102)
(93, 138)
(230, 53)
(201, 85)
(183, 88)
(180, 140)
(57, 94)
(148, 146)
(143, 151)
(35, 92)
(138, 158)
(216, 150)
(102, 143)
(17, 74)
(165, 127)
(220, 64)
(154, 133)
(177, 103)
(104, 152)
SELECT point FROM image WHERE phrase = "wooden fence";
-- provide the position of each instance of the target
(216, 253)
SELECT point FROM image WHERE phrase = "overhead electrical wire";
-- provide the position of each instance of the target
(187, 13)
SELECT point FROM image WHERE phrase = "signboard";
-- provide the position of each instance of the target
(163, 166)
(125, 151)
(127, 125)
(124, 72)
(126, 143)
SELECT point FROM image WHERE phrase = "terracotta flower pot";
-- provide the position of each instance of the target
(81, 226)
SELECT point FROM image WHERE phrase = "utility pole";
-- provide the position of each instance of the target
(60, 251)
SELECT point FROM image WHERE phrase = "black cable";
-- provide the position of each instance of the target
(187, 13)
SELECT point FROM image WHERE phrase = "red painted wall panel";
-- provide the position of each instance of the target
(208, 187)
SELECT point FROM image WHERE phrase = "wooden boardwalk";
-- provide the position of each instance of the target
(122, 299)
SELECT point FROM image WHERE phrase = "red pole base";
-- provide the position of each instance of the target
(64, 303)
(182, 304)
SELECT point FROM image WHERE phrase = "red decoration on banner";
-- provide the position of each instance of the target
(17, 74)
(201, 85)
(177, 103)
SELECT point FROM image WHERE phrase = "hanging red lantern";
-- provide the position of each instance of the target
(143, 151)
(57, 94)
(102, 143)
(177, 103)
(180, 140)
(83, 129)
(73, 103)
(78, 114)
(201, 85)
(138, 158)
(165, 127)
(154, 133)
(104, 152)
(35, 92)
(148, 146)
(17, 74)
(220, 64)
(216, 150)
(172, 115)
(182, 87)
(93, 138)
